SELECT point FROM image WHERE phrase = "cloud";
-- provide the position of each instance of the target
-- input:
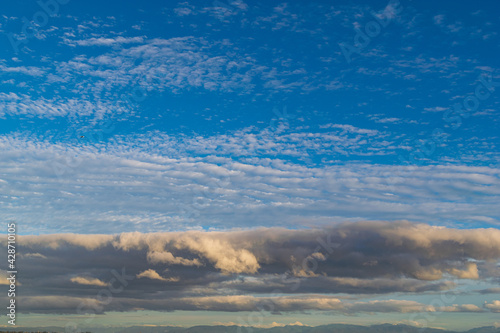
(88, 281)
(32, 255)
(152, 274)
(351, 129)
(390, 306)
(489, 291)
(26, 70)
(3, 277)
(438, 19)
(239, 303)
(60, 304)
(236, 252)
(21, 105)
(159, 65)
(102, 41)
(230, 267)
(168, 258)
(461, 308)
(222, 253)
(436, 109)
(494, 306)
(271, 325)
(172, 181)
(470, 272)
(88, 242)
(275, 324)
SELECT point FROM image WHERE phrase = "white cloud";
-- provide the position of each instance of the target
(150, 181)
(493, 306)
(436, 109)
(26, 70)
(102, 41)
(23, 105)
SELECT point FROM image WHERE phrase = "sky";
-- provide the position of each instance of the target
(252, 162)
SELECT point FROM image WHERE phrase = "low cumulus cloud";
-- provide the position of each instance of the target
(493, 306)
(172, 270)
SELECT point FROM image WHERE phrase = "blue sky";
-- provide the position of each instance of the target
(255, 84)
(200, 116)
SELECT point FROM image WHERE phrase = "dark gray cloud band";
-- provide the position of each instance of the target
(202, 270)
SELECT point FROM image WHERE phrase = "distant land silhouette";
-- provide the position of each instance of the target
(333, 328)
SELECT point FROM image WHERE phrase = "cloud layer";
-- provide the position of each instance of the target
(230, 271)
(156, 182)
